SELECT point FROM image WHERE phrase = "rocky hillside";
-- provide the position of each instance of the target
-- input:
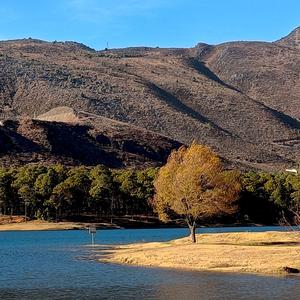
(241, 98)
(89, 142)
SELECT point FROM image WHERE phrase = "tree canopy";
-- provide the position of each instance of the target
(194, 185)
(58, 192)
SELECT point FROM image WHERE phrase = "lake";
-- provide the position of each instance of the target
(59, 265)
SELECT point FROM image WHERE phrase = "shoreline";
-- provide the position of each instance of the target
(119, 223)
(39, 225)
(51, 226)
(265, 253)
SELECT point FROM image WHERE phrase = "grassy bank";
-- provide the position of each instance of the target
(43, 225)
(266, 252)
(137, 221)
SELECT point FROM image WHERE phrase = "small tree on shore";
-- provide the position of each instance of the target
(194, 185)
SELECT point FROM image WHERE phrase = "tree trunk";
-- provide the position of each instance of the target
(25, 212)
(111, 210)
(193, 232)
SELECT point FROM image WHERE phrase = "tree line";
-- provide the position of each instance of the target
(270, 197)
(58, 192)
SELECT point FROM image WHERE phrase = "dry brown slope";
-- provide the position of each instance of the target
(185, 94)
(266, 72)
(89, 141)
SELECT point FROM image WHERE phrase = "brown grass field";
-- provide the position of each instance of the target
(266, 253)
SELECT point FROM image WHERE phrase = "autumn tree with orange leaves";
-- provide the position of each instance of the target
(194, 185)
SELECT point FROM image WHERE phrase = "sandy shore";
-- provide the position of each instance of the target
(267, 253)
(42, 225)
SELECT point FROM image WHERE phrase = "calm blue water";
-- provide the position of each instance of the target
(58, 265)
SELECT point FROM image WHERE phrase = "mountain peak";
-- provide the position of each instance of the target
(292, 39)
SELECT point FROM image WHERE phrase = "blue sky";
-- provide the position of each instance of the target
(163, 23)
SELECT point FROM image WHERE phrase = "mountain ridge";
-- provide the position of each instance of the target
(240, 98)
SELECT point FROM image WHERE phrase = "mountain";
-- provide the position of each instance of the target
(291, 40)
(240, 98)
(81, 139)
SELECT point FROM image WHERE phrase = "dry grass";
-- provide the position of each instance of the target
(267, 252)
(42, 225)
(60, 114)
